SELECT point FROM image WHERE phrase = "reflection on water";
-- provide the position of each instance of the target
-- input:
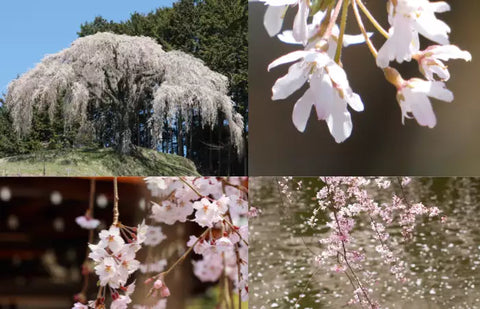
(443, 259)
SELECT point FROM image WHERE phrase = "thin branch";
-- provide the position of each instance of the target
(359, 282)
(372, 19)
(305, 287)
(165, 273)
(370, 45)
(343, 24)
(234, 230)
(115, 202)
(191, 187)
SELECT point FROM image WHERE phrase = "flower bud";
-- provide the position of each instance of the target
(148, 281)
(393, 77)
(164, 292)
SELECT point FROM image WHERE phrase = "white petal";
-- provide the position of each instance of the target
(287, 37)
(337, 74)
(384, 55)
(280, 2)
(300, 30)
(439, 91)
(286, 85)
(290, 57)
(322, 88)
(354, 100)
(446, 52)
(432, 28)
(318, 17)
(354, 39)
(302, 110)
(439, 7)
(273, 19)
(421, 109)
(339, 121)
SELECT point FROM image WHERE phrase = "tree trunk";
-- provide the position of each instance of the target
(220, 127)
(210, 155)
(180, 136)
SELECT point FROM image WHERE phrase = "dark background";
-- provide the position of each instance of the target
(379, 144)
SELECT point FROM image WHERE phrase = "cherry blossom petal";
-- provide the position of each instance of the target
(295, 78)
(300, 30)
(290, 57)
(273, 19)
(339, 121)
(302, 110)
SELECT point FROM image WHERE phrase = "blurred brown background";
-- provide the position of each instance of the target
(379, 144)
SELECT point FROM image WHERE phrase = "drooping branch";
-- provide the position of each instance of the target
(113, 78)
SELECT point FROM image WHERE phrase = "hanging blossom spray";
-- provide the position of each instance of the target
(318, 62)
(218, 205)
(348, 201)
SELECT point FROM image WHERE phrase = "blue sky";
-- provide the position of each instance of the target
(29, 29)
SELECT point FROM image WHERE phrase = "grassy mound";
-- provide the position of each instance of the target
(96, 162)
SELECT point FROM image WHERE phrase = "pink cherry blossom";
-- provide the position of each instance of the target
(87, 222)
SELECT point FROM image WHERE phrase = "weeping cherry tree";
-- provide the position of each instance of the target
(125, 91)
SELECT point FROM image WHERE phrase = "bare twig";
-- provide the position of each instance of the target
(115, 202)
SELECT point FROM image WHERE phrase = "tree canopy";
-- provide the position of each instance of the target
(215, 31)
(114, 86)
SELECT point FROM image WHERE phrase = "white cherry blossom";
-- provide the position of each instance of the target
(275, 14)
(329, 91)
(87, 222)
(430, 60)
(121, 302)
(142, 231)
(79, 306)
(97, 253)
(224, 244)
(408, 19)
(413, 98)
(169, 212)
(111, 239)
(107, 272)
(157, 267)
(207, 213)
(314, 36)
(154, 236)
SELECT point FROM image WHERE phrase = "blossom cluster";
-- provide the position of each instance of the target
(318, 62)
(114, 262)
(218, 205)
(348, 199)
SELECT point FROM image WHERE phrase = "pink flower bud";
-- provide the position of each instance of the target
(158, 284)
(164, 292)
(148, 281)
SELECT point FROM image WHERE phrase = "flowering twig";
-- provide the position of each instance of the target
(184, 255)
(234, 229)
(344, 255)
(191, 187)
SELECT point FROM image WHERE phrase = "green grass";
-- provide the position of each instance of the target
(96, 162)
